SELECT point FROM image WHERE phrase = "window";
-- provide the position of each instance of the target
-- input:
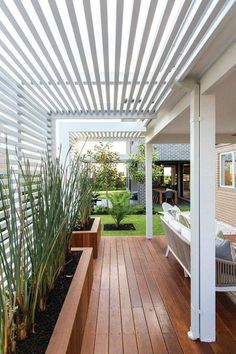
(228, 169)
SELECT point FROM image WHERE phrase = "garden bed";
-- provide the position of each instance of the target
(88, 238)
(122, 227)
(60, 328)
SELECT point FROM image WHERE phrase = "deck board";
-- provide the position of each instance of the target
(140, 303)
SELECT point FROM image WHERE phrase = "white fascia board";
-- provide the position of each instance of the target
(166, 118)
(222, 67)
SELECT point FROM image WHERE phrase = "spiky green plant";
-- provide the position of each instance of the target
(120, 206)
(86, 188)
(14, 259)
(39, 209)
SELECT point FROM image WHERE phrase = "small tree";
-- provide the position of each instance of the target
(136, 165)
(120, 206)
(106, 161)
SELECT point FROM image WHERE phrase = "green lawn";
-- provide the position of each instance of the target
(102, 194)
(139, 222)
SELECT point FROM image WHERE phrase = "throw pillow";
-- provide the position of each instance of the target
(184, 221)
(223, 249)
(220, 235)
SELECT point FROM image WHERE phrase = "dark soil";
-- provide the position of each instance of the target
(122, 227)
(86, 227)
(45, 321)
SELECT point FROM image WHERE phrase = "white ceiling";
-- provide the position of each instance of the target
(225, 93)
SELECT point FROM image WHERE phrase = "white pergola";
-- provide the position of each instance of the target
(125, 69)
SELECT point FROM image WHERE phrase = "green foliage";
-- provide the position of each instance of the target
(136, 166)
(40, 208)
(137, 209)
(120, 206)
(100, 210)
(86, 187)
(105, 162)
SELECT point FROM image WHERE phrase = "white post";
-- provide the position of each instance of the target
(207, 218)
(148, 180)
(202, 139)
(194, 332)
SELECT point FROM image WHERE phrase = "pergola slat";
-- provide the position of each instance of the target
(24, 70)
(54, 45)
(43, 49)
(75, 27)
(192, 21)
(119, 25)
(147, 28)
(65, 40)
(104, 21)
(92, 43)
(182, 10)
(160, 30)
(31, 50)
(133, 28)
(192, 45)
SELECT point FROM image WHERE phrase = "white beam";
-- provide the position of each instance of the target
(148, 183)
(77, 126)
(101, 116)
(222, 68)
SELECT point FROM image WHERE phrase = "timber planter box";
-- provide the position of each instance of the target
(89, 238)
(68, 333)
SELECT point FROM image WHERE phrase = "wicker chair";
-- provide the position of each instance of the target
(180, 248)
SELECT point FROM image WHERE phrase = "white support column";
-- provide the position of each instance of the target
(148, 172)
(194, 332)
(202, 139)
(207, 219)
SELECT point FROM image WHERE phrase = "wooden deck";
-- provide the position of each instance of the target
(140, 303)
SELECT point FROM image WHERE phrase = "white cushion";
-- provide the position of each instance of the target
(168, 217)
(186, 232)
(176, 225)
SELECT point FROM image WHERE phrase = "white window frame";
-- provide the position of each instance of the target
(233, 153)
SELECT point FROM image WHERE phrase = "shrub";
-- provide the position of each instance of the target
(137, 209)
(100, 210)
(120, 206)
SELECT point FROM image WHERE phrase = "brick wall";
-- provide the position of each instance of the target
(225, 197)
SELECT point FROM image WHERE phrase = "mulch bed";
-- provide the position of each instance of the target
(123, 227)
(45, 321)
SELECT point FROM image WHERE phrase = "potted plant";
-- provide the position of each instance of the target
(38, 211)
(87, 230)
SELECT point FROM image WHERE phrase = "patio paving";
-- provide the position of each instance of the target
(140, 303)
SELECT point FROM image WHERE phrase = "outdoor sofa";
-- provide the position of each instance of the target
(179, 246)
